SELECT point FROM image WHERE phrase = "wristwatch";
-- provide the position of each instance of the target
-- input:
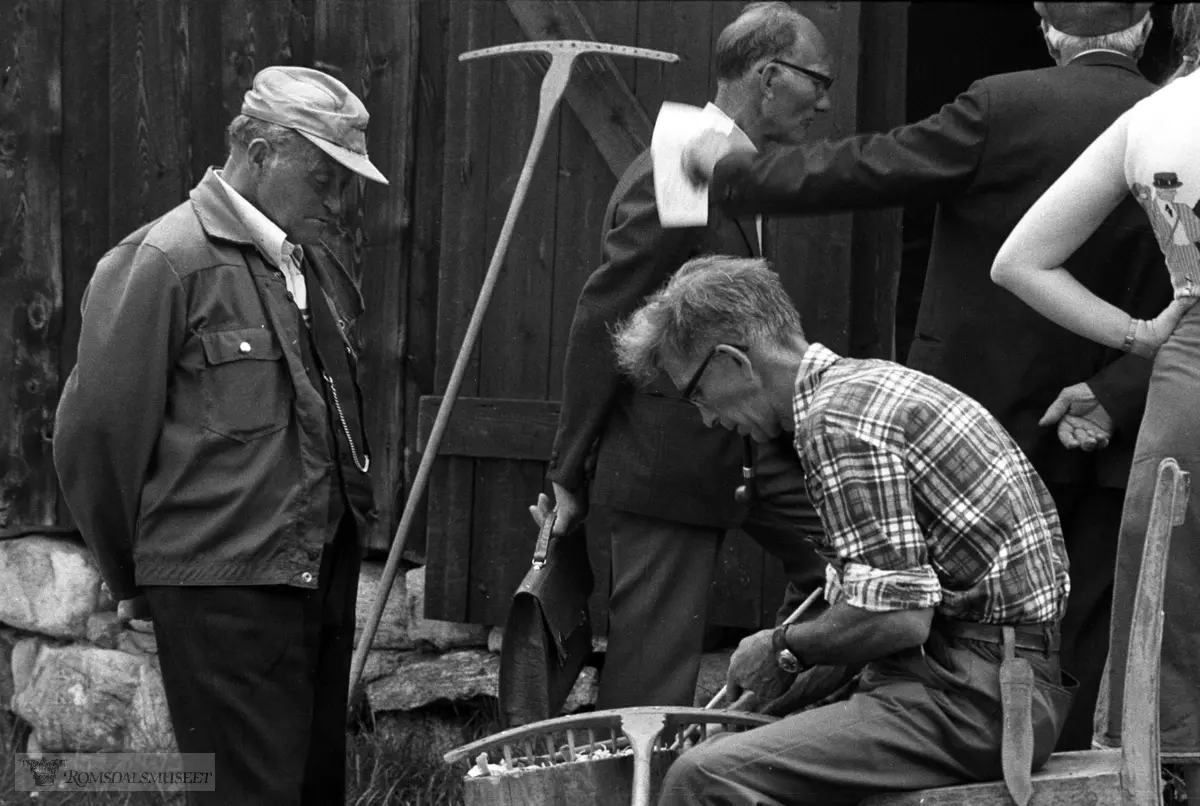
(784, 657)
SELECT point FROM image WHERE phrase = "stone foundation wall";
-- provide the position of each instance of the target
(84, 682)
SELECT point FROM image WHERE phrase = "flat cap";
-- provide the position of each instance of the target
(1092, 19)
(320, 108)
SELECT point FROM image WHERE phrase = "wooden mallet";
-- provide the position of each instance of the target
(562, 55)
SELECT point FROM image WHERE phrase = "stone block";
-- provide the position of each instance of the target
(584, 691)
(149, 722)
(425, 679)
(51, 586)
(714, 669)
(442, 635)
(495, 641)
(137, 643)
(8, 640)
(78, 698)
(382, 662)
(392, 632)
(24, 658)
(103, 629)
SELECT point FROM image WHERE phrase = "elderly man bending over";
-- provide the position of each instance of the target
(946, 556)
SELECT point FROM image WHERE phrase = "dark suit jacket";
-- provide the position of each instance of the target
(985, 159)
(656, 457)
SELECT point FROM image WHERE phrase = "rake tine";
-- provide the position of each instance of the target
(571, 745)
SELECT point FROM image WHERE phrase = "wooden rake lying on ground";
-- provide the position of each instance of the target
(586, 759)
(563, 54)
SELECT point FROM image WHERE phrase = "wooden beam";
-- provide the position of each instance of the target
(493, 428)
(597, 92)
(30, 256)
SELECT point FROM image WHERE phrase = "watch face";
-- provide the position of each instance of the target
(787, 661)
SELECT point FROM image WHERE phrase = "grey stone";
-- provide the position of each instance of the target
(584, 692)
(495, 641)
(442, 635)
(425, 679)
(142, 625)
(51, 586)
(137, 643)
(391, 632)
(24, 658)
(78, 698)
(103, 629)
(7, 640)
(149, 722)
(714, 669)
(600, 643)
(382, 662)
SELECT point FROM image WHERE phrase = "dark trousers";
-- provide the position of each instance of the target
(922, 718)
(662, 575)
(1091, 521)
(258, 676)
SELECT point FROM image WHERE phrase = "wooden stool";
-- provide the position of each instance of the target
(1129, 776)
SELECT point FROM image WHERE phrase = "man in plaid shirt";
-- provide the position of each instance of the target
(946, 558)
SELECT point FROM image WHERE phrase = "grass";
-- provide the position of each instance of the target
(382, 768)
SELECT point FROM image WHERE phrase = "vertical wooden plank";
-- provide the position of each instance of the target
(388, 88)
(420, 346)
(85, 176)
(515, 342)
(683, 27)
(584, 187)
(812, 255)
(463, 260)
(145, 157)
(207, 89)
(877, 234)
(30, 256)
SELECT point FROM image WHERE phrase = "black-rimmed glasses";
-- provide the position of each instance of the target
(690, 389)
(823, 82)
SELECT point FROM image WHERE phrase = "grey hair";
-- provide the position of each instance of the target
(244, 130)
(1185, 20)
(710, 300)
(1128, 41)
(761, 31)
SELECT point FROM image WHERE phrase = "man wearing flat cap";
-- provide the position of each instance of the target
(211, 448)
(1073, 406)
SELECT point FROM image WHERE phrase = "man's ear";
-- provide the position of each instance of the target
(743, 362)
(258, 152)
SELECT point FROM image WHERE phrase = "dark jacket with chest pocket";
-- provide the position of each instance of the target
(985, 159)
(191, 445)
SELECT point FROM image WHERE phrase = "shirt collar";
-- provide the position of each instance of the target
(817, 359)
(1096, 50)
(265, 233)
(736, 131)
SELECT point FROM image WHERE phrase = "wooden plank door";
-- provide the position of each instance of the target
(479, 534)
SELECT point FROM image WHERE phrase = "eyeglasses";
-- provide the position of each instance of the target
(690, 389)
(823, 82)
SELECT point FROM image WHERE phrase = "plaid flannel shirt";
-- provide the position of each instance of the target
(925, 499)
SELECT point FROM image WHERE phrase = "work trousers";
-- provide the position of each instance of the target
(662, 574)
(922, 718)
(259, 676)
(1091, 521)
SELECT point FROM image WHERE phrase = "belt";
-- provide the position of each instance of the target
(1042, 637)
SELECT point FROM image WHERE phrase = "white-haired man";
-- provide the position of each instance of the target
(210, 443)
(946, 557)
(984, 159)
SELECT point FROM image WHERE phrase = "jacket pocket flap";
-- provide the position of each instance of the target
(255, 343)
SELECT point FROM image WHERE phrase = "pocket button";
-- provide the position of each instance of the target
(244, 347)
(307, 577)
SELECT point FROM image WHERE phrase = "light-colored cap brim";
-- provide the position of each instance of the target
(352, 160)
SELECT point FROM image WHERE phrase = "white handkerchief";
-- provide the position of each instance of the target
(680, 203)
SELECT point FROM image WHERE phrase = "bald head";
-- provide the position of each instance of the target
(765, 31)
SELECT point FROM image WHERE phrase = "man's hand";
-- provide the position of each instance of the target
(753, 668)
(701, 155)
(571, 509)
(1082, 421)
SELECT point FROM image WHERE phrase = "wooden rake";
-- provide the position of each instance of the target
(562, 55)
(585, 759)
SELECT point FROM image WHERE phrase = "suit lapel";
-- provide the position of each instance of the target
(746, 226)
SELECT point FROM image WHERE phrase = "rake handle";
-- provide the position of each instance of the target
(552, 89)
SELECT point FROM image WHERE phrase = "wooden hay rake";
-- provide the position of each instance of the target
(602, 758)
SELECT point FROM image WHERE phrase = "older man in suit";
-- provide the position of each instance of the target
(664, 483)
(985, 158)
